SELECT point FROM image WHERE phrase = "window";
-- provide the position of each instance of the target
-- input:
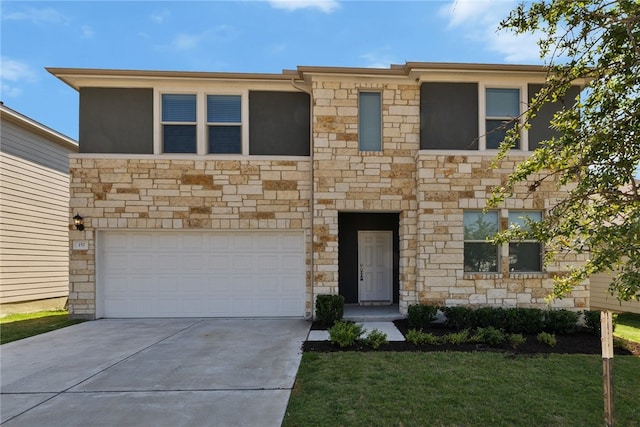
(502, 110)
(480, 255)
(370, 121)
(525, 255)
(178, 123)
(224, 124)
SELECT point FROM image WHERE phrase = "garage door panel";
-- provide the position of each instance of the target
(201, 274)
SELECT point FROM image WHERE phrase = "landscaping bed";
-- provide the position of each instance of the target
(577, 343)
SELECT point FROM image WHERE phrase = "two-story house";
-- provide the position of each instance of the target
(223, 194)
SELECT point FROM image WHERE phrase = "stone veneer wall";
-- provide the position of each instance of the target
(346, 179)
(448, 184)
(148, 193)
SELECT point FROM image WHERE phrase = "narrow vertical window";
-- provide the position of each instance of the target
(526, 255)
(370, 121)
(479, 254)
(502, 111)
(178, 123)
(224, 124)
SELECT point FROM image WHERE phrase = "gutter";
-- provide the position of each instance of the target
(312, 193)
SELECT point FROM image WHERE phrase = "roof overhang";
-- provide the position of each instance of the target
(37, 128)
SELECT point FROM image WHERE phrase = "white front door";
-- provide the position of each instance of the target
(375, 266)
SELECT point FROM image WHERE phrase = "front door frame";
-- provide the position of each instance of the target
(375, 266)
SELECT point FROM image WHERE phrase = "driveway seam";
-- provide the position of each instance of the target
(67, 390)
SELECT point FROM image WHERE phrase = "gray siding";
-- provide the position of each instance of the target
(116, 120)
(279, 123)
(540, 130)
(449, 116)
(33, 148)
(34, 215)
(601, 299)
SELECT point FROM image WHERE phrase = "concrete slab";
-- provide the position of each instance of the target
(174, 372)
(15, 404)
(60, 359)
(215, 354)
(393, 334)
(170, 409)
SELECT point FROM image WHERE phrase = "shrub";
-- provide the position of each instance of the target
(420, 315)
(484, 317)
(489, 335)
(457, 337)
(459, 317)
(344, 333)
(329, 309)
(592, 321)
(547, 338)
(421, 338)
(375, 339)
(524, 320)
(516, 340)
(563, 322)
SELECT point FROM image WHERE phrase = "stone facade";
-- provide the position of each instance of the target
(429, 190)
(346, 179)
(152, 194)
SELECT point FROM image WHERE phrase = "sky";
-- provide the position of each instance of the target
(264, 36)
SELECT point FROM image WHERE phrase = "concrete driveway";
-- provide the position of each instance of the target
(153, 372)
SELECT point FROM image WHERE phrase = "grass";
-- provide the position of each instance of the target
(461, 389)
(18, 326)
(628, 327)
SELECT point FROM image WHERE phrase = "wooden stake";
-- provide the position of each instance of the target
(606, 336)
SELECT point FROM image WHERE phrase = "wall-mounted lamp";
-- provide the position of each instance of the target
(78, 222)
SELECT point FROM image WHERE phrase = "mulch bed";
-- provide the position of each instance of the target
(579, 343)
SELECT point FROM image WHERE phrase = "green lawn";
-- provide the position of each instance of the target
(463, 389)
(459, 389)
(17, 326)
(628, 327)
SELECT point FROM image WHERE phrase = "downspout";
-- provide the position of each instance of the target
(312, 193)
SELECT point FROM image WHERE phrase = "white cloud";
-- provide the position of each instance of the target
(478, 20)
(326, 6)
(161, 16)
(87, 31)
(12, 74)
(378, 59)
(45, 15)
(192, 41)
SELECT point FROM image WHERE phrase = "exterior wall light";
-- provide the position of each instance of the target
(78, 222)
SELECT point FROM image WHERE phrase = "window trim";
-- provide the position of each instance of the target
(541, 212)
(176, 123)
(381, 149)
(209, 124)
(201, 119)
(498, 249)
(482, 112)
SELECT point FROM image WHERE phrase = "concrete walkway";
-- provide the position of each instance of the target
(393, 334)
(153, 372)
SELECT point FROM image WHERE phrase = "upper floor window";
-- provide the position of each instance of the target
(179, 123)
(224, 124)
(502, 111)
(479, 254)
(370, 121)
(525, 256)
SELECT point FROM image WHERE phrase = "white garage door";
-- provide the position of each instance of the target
(201, 274)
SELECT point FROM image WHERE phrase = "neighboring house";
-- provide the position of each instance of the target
(601, 298)
(223, 194)
(34, 209)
